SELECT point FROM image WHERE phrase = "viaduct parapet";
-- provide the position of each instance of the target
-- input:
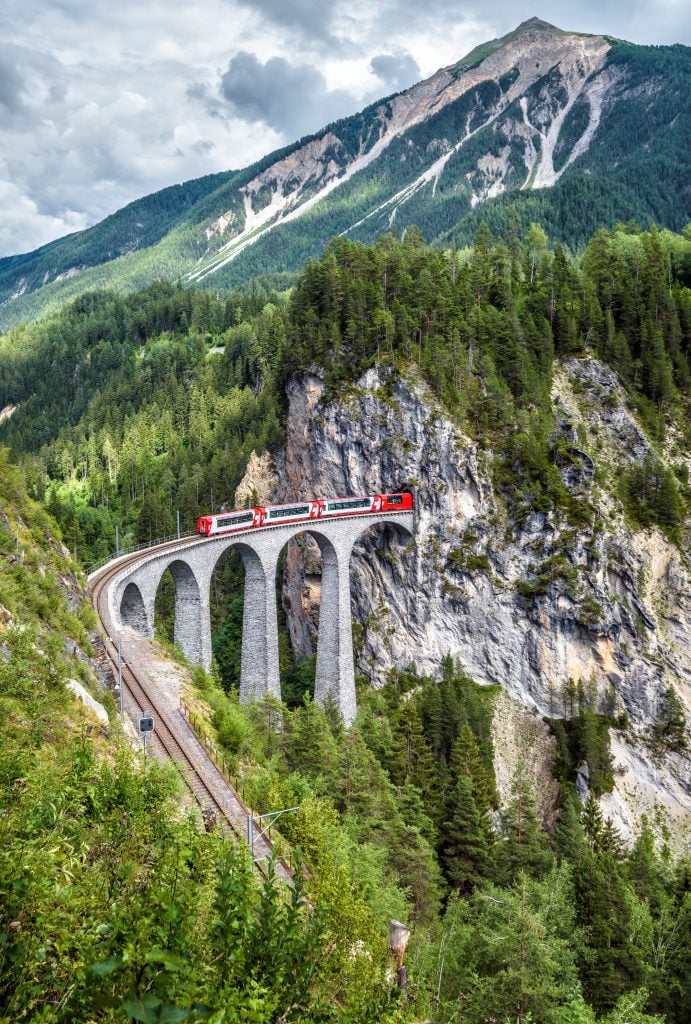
(132, 595)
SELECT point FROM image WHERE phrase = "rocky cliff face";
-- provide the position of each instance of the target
(616, 612)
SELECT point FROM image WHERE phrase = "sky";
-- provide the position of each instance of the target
(102, 102)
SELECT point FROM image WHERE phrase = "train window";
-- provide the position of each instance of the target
(246, 517)
(394, 499)
(281, 513)
(342, 506)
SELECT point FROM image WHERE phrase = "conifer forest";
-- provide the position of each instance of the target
(115, 905)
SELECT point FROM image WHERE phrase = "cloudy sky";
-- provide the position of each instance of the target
(102, 101)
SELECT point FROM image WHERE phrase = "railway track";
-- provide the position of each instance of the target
(174, 736)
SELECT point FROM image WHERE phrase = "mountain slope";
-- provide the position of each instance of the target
(520, 115)
(136, 226)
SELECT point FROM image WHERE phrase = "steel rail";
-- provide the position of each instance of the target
(165, 738)
(164, 735)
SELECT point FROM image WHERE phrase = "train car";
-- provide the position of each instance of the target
(302, 511)
(297, 510)
(368, 503)
(230, 522)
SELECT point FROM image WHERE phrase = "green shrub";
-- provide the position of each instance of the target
(231, 727)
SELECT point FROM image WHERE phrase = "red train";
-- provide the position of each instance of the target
(299, 511)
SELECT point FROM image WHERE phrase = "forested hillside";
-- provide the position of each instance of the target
(127, 409)
(115, 905)
(146, 405)
(137, 226)
(111, 912)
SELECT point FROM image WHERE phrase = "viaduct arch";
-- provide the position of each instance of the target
(133, 592)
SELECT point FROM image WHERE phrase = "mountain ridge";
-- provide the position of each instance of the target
(522, 113)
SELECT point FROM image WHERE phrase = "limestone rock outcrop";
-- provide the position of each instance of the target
(619, 616)
(258, 485)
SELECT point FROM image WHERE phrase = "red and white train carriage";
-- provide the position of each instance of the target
(302, 511)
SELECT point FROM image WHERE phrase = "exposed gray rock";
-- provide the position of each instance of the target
(258, 485)
(82, 694)
(607, 406)
(577, 469)
(73, 648)
(455, 591)
(583, 781)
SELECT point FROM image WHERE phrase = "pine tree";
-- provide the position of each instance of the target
(466, 847)
(309, 745)
(645, 868)
(569, 836)
(611, 965)
(413, 811)
(670, 722)
(523, 845)
(466, 759)
(412, 758)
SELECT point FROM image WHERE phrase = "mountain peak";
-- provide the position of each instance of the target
(535, 23)
(484, 50)
(516, 116)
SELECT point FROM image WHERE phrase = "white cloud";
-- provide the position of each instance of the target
(395, 70)
(103, 102)
(22, 217)
(294, 99)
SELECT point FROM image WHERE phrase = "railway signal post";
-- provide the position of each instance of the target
(146, 726)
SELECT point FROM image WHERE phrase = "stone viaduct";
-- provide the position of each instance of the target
(132, 595)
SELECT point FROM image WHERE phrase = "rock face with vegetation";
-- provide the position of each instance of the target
(537, 404)
(553, 604)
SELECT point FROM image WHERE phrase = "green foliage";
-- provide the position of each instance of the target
(556, 567)
(484, 331)
(114, 904)
(650, 495)
(582, 739)
(466, 842)
(299, 680)
(265, 952)
(669, 729)
(463, 561)
(523, 845)
(153, 427)
(506, 954)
